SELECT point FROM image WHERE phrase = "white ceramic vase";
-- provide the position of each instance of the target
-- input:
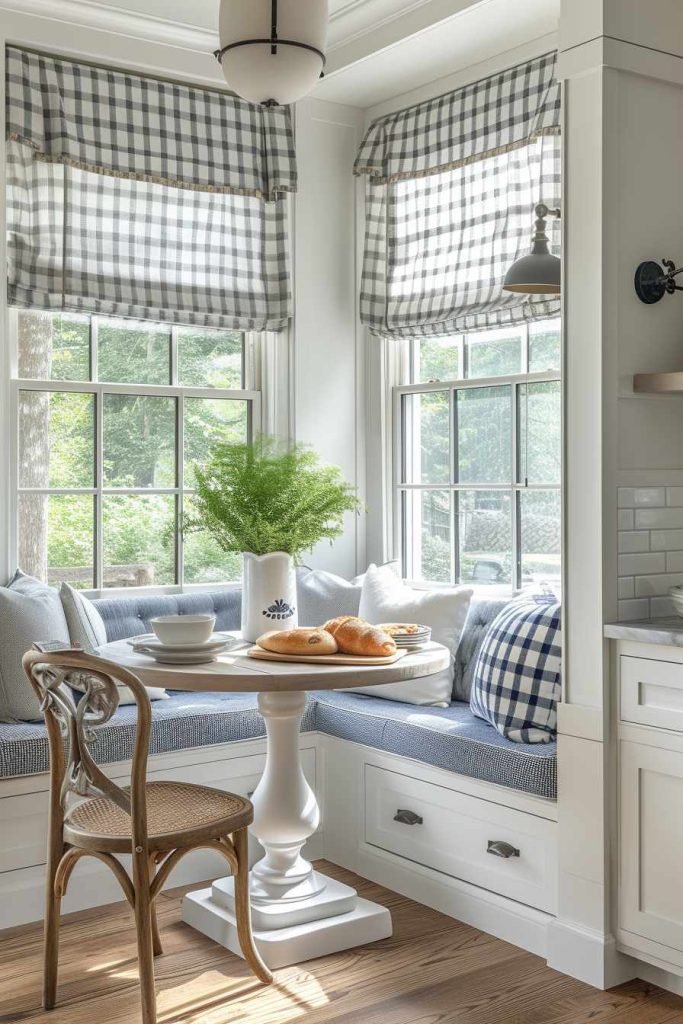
(268, 593)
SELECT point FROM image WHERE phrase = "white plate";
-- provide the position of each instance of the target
(150, 642)
(180, 657)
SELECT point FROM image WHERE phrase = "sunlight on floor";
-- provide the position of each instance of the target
(214, 999)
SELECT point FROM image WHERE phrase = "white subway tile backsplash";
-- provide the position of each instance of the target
(666, 540)
(637, 497)
(631, 541)
(629, 610)
(636, 565)
(661, 607)
(650, 550)
(625, 519)
(674, 561)
(659, 519)
(657, 586)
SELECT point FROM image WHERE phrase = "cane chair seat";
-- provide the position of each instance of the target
(178, 814)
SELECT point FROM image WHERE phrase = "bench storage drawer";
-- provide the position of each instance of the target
(492, 846)
(651, 692)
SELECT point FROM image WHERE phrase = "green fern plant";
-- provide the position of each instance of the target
(263, 497)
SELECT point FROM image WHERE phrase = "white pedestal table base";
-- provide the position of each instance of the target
(297, 913)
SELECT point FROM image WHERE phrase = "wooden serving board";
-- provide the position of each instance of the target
(325, 659)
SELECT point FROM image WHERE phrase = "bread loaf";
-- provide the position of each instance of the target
(298, 641)
(356, 636)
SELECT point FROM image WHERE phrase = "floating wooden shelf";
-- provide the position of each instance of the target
(658, 383)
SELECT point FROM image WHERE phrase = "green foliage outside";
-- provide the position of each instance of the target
(262, 497)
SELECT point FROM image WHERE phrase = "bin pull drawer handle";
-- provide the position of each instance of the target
(407, 817)
(498, 848)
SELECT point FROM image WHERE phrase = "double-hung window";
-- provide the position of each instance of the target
(111, 416)
(478, 458)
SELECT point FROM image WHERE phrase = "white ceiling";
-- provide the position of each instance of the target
(377, 49)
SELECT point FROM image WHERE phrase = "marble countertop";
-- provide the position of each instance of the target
(668, 631)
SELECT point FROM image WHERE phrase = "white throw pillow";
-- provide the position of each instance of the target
(385, 598)
(87, 628)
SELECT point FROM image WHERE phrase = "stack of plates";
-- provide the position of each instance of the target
(183, 654)
(408, 635)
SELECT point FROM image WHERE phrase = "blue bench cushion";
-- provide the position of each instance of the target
(130, 616)
(184, 720)
(450, 738)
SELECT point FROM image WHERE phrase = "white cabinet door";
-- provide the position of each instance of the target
(651, 843)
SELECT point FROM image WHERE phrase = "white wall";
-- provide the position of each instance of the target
(329, 386)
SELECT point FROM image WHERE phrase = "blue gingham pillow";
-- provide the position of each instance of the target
(517, 676)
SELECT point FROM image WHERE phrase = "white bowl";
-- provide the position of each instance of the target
(183, 629)
(676, 595)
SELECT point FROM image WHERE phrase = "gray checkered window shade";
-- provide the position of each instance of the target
(451, 185)
(137, 197)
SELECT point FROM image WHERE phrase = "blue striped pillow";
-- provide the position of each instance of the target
(517, 675)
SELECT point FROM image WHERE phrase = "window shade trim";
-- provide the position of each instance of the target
(153, 179)
(436, 126)
(376, 178)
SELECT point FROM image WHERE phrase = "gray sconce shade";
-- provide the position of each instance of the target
(539, 273)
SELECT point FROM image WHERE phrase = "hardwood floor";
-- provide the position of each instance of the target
(432, 971)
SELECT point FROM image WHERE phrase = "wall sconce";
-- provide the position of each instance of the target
(652, 282)
(539, 273)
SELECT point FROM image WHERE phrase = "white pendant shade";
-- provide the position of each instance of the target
(251, 69)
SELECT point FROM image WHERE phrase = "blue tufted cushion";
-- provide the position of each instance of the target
(183, 721)
(450, 738)
(481, 614)
(130, 616)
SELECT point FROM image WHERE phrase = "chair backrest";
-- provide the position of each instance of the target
(76, 721)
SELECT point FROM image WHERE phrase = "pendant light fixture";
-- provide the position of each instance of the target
(539, 273)
(272, 51)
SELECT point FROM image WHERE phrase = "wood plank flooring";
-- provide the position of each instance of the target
(432, 971)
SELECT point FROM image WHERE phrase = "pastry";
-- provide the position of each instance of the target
(356, 636)
(298, 641)
(400, 628)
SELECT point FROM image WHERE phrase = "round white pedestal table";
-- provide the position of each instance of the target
(297, 913)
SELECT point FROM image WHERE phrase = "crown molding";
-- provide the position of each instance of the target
(349, 21)
(118, 21)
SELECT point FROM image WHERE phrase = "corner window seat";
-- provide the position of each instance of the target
(448, 738)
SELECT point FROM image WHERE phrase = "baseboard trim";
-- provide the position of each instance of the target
(588, 956)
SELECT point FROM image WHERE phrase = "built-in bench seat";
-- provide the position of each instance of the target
(184, 721)
(449, 738)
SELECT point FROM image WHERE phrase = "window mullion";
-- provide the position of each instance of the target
(514, 494)
(174, 355)
(180, 480)
(454, 496)
(94, 349)
(99, 475)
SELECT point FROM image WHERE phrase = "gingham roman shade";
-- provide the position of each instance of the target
(137, 197)
(450, 189)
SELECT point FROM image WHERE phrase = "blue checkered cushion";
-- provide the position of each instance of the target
(517, 674)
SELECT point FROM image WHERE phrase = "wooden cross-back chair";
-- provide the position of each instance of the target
(156, 822)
